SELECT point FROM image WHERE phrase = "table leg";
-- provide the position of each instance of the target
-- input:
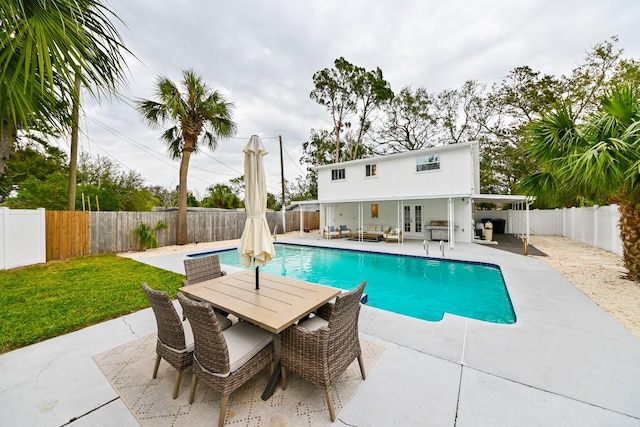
(275, 376)
(272, 384)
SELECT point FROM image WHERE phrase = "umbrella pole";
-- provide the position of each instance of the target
(257, 274)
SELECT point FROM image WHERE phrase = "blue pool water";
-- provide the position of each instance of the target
(414, 286)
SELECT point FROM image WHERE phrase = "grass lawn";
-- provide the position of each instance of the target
(43, 301)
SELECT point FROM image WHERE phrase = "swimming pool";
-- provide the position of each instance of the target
(420, 287)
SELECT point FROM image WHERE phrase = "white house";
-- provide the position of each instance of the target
(412, 191)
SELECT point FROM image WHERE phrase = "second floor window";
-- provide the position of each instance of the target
(428, 163)
(370, 170)
(337, 174)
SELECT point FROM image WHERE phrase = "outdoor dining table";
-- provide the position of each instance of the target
(278, 304)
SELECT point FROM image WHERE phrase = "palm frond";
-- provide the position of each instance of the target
(552, 136)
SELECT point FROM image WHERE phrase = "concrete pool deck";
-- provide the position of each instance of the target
(564, 362)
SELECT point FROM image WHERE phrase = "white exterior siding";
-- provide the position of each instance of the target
(398, 191)
(398, 179)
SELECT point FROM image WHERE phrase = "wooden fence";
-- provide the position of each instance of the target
(71, 234)
(67, 234)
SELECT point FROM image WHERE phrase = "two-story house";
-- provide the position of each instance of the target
(414, 191)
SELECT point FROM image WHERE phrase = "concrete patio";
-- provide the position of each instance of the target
(564, 362)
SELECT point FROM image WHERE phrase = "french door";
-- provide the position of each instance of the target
(412, 221)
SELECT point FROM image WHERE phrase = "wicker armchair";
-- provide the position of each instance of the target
(175, 339)
(320, 349)
(225, 360)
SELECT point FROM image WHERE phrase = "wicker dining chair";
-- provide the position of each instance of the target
(175, 339)
(202, 268)
(321, 348)
(225, 360)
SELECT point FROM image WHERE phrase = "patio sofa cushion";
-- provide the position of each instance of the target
(394, 234)
(329, 232)
(376, 229)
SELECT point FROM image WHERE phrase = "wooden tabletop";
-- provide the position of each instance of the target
(278, 304)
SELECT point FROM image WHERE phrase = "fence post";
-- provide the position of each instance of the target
(573, 223)
(4, 241)
(42, 223)
(615, 233)
(595, 226)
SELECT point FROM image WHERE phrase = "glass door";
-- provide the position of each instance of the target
(412, 220)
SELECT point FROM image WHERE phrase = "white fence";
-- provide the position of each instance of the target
(22, 237)
(596, 226)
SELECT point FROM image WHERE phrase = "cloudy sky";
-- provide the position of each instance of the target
(262, 55)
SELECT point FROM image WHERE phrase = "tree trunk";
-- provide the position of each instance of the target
(182, 237)
(73, 155)
(630, 236)
(8, 136)
(336, 158)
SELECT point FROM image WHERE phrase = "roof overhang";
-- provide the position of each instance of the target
(478, 198)
(502, 198)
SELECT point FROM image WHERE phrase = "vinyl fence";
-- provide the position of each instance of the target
(596, 226)
(22, 237)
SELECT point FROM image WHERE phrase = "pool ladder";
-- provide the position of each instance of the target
(425, 246)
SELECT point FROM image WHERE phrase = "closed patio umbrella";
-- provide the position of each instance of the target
(256, 242)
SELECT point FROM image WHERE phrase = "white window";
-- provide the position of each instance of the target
(337, 174)
(428, 163)
(371, 170)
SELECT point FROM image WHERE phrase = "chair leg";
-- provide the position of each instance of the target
(223, 409)
(361, 363)
(176, 388)
(155, 368)
(194, 385)
(283, 378)
(327, 396)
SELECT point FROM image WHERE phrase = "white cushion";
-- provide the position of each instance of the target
(244, 341)
(188, 335)
(314, 323)
(224, 321)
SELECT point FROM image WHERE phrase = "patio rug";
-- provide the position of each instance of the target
(129, 368)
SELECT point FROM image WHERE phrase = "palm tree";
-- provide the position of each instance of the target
(598, 159)
(45, 45)
(199, 116)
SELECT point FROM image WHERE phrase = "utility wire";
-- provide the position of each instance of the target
(296, 164)
(163, 158)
